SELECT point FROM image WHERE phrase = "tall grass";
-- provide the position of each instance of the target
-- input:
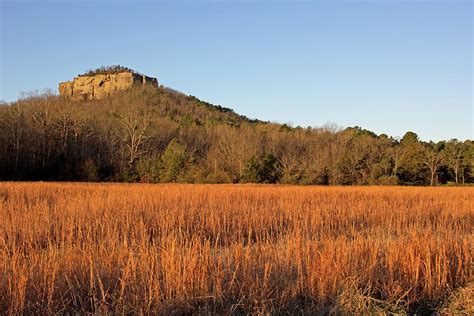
(117, 248)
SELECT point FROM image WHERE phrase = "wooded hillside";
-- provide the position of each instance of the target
(161, 135)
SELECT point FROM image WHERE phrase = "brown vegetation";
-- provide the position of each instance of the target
(140, 248)
(150, 134)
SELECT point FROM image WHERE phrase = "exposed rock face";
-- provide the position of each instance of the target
(102, 85)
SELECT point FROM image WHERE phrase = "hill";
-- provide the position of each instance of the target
(149, 134)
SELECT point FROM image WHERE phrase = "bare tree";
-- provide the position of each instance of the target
(134, 134)
(233, 147)
(14, 127)
(432, 159)
(397, 153)
(291, 153)
(453, 155)
(64, 124)
(42, 116)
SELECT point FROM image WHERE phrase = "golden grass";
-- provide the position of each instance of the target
(121, 248)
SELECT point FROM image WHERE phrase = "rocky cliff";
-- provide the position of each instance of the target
(102, 85)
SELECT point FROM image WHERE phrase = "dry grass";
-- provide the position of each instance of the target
(460, 302)
(118, 248)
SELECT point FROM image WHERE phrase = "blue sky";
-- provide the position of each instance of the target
(388, 66)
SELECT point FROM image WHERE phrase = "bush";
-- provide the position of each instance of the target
(388, 180)
(148, 169)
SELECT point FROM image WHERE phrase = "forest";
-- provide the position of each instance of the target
(159, 135)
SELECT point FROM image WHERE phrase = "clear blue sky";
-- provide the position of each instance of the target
(388, 66)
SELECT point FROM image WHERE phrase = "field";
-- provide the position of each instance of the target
(121, 248)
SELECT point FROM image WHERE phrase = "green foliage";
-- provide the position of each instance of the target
(380, 173)
(261, 170)
(409, 139)
(285, 128)
(458, 157)
(187, 121)
(250, 174)
(343, 172)
(209, 105)
(172, 161)
(133, 136)
(106, 70)
(269, 171)
(412, 170)
(148, 169)
(358, 131)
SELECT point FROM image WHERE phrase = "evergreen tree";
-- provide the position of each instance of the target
(172, 161)
(263, 170)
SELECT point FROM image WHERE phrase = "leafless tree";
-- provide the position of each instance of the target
(134, 134)
(432, 159)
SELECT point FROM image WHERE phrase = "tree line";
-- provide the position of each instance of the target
(106, 70)
(156, 135)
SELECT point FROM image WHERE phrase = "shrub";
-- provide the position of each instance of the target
(105, 70)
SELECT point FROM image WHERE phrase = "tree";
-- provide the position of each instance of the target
(15, 124)
(432, 159)
(378, 160)
(64, 124)
(89, 169)
(148, 168)
(269, 171)
(340, 171)
(412, 170)
(233, 145)
(135, 126)
(291, 147)
(469, 161)
(251, 172)
(133, 136)
(397, 154)
(172, 161)
(42, 120)
(318, 157)
(454, 152)
(410, 139)
(261, 170)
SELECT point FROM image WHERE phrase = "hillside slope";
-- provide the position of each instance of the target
(161, 135)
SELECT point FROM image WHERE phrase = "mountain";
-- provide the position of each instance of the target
(150, 133)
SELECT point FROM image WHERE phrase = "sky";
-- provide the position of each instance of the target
(387, 66)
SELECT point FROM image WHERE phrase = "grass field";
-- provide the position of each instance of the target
(118, 248)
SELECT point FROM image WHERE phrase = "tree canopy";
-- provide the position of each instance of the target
(106, 70)
(152, 134)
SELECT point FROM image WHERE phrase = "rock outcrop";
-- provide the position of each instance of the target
(102, 85)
